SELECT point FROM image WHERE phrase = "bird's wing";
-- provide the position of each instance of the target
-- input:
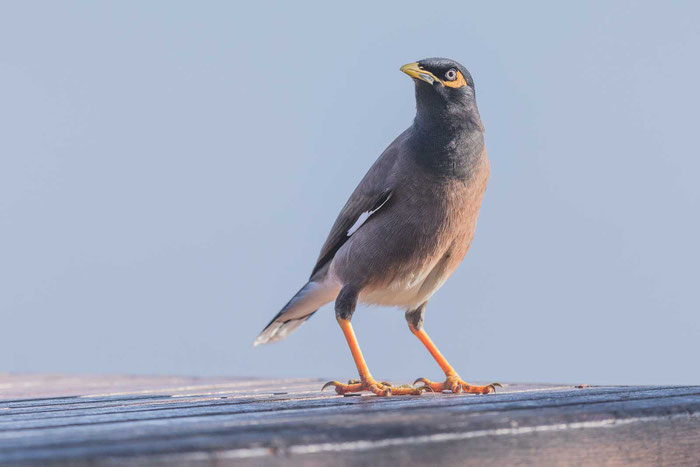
(373, 193)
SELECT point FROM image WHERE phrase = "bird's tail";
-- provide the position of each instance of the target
(300, 308)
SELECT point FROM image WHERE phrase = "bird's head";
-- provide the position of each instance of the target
(444, 91)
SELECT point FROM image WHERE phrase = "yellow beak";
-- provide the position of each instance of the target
(414, 71)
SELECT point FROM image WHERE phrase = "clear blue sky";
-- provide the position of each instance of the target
(169, 171)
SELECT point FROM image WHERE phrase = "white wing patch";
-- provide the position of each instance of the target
(365, 215)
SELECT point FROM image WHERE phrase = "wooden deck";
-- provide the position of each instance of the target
(108, 420)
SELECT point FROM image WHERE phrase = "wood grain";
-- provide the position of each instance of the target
(127, 420)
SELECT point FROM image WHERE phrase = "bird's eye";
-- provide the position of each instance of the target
(451, 74)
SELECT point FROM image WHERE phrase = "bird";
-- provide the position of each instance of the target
(405, 228)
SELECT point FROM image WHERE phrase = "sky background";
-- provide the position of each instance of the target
(169, 171)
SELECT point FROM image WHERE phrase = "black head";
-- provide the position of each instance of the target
(444, 91)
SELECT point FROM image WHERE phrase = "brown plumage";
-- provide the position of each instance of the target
(407, 225)
(425, 230)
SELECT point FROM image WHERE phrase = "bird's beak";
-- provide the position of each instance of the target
(414, 71)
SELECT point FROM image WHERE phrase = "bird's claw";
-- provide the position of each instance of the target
(454, 384)
(331, 383)
(378, 388)
(495, 385)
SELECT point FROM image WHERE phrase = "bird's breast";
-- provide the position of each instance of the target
(405, 254)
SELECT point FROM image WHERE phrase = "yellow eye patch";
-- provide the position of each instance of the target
(457, 82)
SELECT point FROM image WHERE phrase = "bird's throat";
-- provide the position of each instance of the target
(447, 149)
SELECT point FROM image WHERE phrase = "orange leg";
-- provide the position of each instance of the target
(366, 382)
(453, 382)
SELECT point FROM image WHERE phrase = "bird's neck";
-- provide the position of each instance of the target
(448, 144)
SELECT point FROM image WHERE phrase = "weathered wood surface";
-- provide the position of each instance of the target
(106, 420)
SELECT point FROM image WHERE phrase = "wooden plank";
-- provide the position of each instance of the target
(173, 420)
(172, 409)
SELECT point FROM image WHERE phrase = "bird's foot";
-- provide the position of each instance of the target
(455, 384)
(371, 385)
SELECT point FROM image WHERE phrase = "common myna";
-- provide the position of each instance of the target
(406, 227)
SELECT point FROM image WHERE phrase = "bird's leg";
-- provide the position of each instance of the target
(345, 306)
(453, 381)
